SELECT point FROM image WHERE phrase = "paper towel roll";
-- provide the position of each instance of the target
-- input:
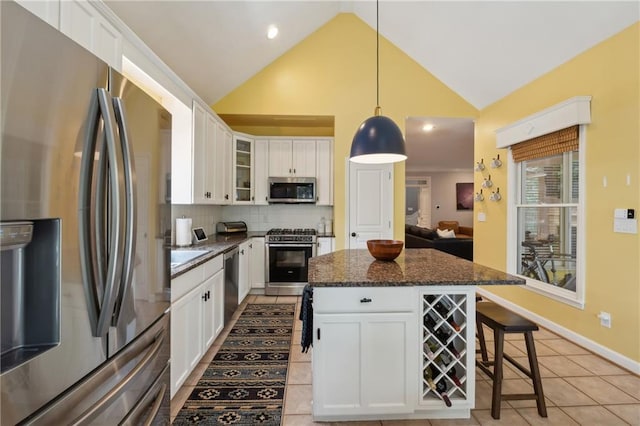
(183, 231)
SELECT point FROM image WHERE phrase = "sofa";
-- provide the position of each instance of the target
(420, 237)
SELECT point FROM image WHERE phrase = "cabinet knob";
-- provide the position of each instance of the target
(353, 234)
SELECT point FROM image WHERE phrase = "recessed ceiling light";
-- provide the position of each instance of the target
(428, 127)
(272, 32)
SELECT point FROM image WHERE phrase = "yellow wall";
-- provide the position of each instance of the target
(609, 72)
(333, 72)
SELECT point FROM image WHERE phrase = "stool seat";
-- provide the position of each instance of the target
(502, 321)
(495, 316)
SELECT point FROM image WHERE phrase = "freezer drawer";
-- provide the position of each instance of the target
(132, 388)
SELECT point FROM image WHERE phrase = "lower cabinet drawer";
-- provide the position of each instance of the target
(363, 299)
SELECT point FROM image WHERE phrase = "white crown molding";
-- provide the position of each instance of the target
(573, 111)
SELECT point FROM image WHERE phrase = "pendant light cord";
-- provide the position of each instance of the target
(377, 56)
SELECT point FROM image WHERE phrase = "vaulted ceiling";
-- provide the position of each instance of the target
(482, 50)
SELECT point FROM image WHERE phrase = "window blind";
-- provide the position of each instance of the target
(555, 143)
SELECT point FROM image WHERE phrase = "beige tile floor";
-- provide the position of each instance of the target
(580, 388)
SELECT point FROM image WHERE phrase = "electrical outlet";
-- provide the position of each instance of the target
(605, 319)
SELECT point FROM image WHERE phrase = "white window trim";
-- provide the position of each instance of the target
(573, 112)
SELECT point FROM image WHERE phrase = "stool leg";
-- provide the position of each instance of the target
(481, 341)
(535, 374)
(496, 398)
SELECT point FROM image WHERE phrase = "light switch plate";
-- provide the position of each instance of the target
(625, 226)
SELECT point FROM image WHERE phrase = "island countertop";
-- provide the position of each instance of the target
(414, 267)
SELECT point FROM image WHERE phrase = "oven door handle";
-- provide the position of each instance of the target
(293, 244)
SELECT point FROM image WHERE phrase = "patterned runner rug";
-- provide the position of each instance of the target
(244, 384)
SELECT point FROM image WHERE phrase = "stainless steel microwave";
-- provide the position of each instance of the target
(292, 190)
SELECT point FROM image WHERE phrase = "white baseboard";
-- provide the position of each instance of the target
(597, 348)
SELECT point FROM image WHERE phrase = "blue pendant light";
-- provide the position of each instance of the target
(378, 139)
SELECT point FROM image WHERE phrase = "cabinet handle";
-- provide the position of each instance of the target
(365, 300)
(318, 334)
(289, 170)
(242, 251)
(250, 245)
(226, 196)
(204, 297)
(294, 171)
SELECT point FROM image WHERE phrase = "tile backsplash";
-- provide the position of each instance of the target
(257, 218)
(263, 218)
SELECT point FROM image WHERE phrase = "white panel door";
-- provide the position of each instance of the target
(260, 170)
(324, 172)
(304, 158)
(370, 203)
(280, 158)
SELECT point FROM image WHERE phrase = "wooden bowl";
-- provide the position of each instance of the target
(385, 249)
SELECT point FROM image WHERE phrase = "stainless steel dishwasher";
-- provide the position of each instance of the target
(231, 259)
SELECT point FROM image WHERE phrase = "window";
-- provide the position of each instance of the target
(547, 213)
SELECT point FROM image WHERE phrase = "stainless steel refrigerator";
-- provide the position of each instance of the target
(84, 215)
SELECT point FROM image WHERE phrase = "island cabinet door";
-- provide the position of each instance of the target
(362, 364)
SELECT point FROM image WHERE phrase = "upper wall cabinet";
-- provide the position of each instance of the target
(243, 180)
(260, 170)
(324, 172)
(48, 11)
(222, 165)
(289, 157)
(84, 24)
(204, 134)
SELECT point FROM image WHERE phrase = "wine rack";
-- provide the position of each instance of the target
(445, 358)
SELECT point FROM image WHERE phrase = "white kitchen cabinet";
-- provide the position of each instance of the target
(260, 171)
(366, 339)
(244, 270)
(186, 336)
(325, 245)
(84, 24)
(382, 351)
(47, 10)
(197, 317)
(243, 176)
(222, 165)
(292, 157)
(204, 134)
(213, 308)
(369, 363)
(324, 172)
(257, 262)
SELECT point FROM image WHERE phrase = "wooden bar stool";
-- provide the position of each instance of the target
(502, 321)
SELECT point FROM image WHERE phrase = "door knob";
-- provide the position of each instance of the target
(353, 234)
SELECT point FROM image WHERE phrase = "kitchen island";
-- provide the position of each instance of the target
(395, 340)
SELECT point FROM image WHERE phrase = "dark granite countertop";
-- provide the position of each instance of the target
(414, 267)
(215, 245)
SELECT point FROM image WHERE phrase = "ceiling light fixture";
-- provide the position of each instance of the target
(272, 32)
(378, 140)
(428, 127)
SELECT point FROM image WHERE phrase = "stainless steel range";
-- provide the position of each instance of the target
(287, 259)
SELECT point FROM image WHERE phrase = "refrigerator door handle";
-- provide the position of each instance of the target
(153, 350)
(91, 271)
(130, 209)
(100, 214)
(157, 391)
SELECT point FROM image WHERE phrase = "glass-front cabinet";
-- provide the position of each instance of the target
(243, 170)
